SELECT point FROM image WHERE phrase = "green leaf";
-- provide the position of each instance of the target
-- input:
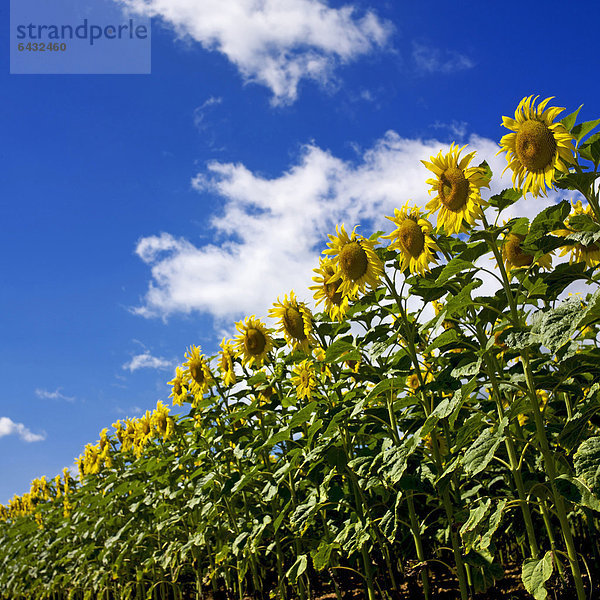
(582, 129)
(535, 573)
(341, 350)
(297, 568)
(393, 383)
(569, 120)
(476, 515)
(481, 452)
(505, 198)
(591, 149)
(587, 464)
(548, 220)
(577, 181)
(554, 328)
(493, 524)
(456, 265)
(322, 555)
(395, 459)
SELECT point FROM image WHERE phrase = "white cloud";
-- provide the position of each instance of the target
(429, 60)
(271, 231)
(276, 43)
(56, 395)
(147, 361)
(132, 410)
(9, 427)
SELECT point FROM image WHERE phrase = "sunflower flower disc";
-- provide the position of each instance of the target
(457, 189)
(412, 239)
(336, 303)
(355, 262)
(296, 322)
(538, 147)
(253, 342)
(226, 358)
(198, 371)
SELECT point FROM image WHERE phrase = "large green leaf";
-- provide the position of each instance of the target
(535, 573)
(481, 452)
(587, 464)
(297, 568)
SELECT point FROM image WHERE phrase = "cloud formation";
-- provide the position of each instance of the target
(429, 60)
(269, 232)
(56, 395)
(9, 427)
(275, 43)
(147, 361)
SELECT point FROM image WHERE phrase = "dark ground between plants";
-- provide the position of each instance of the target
(444, 587)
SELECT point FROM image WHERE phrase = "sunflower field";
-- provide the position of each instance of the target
(413, 435)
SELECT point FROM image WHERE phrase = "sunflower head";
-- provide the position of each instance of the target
(580, 252)
(253, 342)
(197, 371)
(226, 358)
(179, 389)
(295, 322)
(304, 379)
(412, 239)
(354, 262)
(336, 303)
(456, 189)
(537, 147)
(161, 422)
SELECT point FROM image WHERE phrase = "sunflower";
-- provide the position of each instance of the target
(179, 383)
(515, 257)
(438, 307)
(226, 363)
(253, 342)
(413, 382)
(296, 322)
(143, 433)
(412, 238)
(304, 379)
(161, 422)
(587, 253)
(355, 262)
(197, 371)
(458, 189)
(336, 303)
(538, 147)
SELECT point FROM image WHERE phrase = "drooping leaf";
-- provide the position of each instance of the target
(481, 452)
(587, 464)
(297, 568)
(535, 573)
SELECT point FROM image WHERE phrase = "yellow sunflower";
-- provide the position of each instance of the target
(458, 189)
(590, 253)
(355, 262)
(198, 371)
(538, 147)
(179, 390)
(304, 379)
(438, 307)
(296, 322)
(515, 257)
(336, 303)
(162, 423)
(413, 383)
(226, 363)
(412, 238)
(253, 342)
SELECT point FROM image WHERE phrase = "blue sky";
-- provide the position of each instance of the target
(144, 213)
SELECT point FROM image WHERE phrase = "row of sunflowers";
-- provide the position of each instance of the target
(367, 445)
